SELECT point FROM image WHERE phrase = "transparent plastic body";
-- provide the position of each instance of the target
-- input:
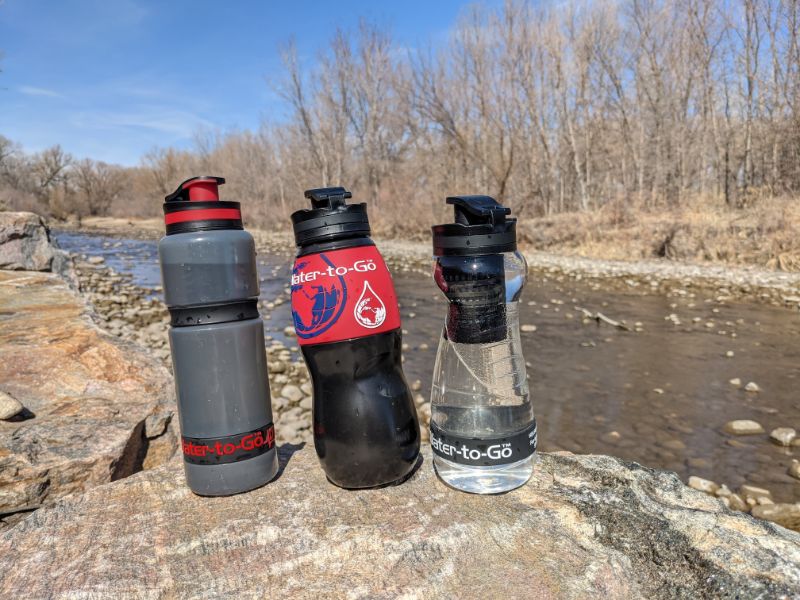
(480, 387)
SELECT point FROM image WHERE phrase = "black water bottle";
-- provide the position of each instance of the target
(347, 321)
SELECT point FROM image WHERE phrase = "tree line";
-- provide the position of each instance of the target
(563, 107)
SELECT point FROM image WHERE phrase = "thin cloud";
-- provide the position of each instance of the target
(30, 90)
(166, 121)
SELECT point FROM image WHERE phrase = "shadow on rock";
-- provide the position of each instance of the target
(23, 415)
(285, 453)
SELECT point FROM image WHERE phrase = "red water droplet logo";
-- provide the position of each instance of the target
(370, 311)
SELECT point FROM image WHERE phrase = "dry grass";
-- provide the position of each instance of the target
(763, 234)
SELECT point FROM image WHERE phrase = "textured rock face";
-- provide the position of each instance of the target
(91, 403)
(25, 243)
(585, 526)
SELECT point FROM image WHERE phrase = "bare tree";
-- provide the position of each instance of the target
(98, 183)
(549, 107)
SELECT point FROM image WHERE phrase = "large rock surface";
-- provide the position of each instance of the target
(92, 403)
(25, 244)
(584, 526)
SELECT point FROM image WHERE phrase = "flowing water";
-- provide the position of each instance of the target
(659, 396)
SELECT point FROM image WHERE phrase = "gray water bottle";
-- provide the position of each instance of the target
(208, 268)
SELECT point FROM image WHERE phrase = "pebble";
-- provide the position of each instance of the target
(729, 354)
(737, 444)
(612, 437)
(735, 502)
(751, 491)
(703, 485)
(307, 388)
(292, 393)
(723, 492)
(306, 403)
(752, 387)
(794, 469)
(9, 406)
(783, 436)
(736, 381)
(289, 331)
(424, 433)
(699, 463)
(674, 445)
(743, 427)
(528, 328)
(425, 413)
(416, 386)
(95, 260)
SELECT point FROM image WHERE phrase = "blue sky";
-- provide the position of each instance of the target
(111, 79)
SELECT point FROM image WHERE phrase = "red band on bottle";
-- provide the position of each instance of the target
(341, 295)
(206, 214)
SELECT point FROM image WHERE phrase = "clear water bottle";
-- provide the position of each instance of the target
(483, 431)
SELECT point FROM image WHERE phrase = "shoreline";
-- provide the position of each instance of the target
(746, 282)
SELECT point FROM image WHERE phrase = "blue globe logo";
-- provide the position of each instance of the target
(317, 305)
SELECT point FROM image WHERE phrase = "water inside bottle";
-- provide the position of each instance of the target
(482, 390)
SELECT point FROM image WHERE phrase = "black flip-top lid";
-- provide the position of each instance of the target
(330, 217)
(481, 227)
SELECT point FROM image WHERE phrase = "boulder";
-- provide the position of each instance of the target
(584, 526)
(25, 242)
(92, 404)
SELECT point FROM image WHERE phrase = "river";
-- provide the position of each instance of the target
(659, 394)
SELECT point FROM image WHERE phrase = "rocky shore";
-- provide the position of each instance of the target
(583, 526)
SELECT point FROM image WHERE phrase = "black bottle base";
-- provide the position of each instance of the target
(366, 431)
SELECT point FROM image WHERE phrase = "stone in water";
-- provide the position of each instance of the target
(743, 427)
(783, 436)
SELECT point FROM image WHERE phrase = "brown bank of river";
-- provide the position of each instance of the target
(658, 393)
